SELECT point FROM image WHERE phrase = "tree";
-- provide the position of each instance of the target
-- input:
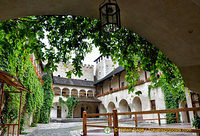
(70, 34)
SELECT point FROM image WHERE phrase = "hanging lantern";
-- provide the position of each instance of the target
(110, 16)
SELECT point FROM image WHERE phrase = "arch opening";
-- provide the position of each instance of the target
(74, 92)
(90, 94)
(111, 107)
(65, 92)
(82, 93)
(137, 106)
(57, 91)
(124, 107)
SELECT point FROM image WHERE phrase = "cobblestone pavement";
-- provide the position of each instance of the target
(56, 129)
(75, 129)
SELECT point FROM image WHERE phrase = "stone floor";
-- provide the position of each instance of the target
(75, 129)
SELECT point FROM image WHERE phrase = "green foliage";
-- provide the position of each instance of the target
(33, 124)
(173, 95)
(48, 98)
(196, 122)
(70, 34)
(15, 59)
(67, 35)
(71, 103)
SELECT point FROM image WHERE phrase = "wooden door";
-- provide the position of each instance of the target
(58, 112)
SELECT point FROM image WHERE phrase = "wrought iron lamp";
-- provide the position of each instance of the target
(110, 16)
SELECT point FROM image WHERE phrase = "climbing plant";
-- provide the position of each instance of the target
(71, 104)
(70, 34)
(173, 95)
(48, 98)
(15, 59)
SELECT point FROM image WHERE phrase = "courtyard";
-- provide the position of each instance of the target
(75, 129)
(148, 62)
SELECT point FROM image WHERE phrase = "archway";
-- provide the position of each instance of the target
(57, 91)
(65, 92)
(82, 93)
(124, 107)
(111, 107)
(74, 92)
(137, 106)
(89, 93)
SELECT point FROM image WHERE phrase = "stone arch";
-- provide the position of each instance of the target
(74, 92)
(57, 91)
(111, 107)
(102, 108)
(82, 93)
(124, 107)
(90, 93)
(65, 92)
(137, 104)
(59, 112)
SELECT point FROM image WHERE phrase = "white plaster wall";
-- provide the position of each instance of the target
(53, 113)
(122, 78)
(106, 85)
(145, 101)
(115, 82)
(64, 110)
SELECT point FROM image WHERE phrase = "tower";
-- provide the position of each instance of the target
(104, 65)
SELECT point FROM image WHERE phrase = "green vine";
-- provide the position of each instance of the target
(173, 95)
(67, 35)
(71, 103)
(48, 98)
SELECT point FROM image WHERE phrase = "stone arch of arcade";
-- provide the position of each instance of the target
(57, 91)
(111, 107)
(124, 107)
(136, 104)
(68, 91)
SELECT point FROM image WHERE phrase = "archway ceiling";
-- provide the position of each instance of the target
(172, 25)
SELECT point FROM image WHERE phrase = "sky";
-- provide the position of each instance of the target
(90, 57)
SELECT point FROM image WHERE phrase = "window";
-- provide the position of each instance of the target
(58, 75)
(153, 105)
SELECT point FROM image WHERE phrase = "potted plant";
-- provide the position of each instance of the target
(196, 122)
